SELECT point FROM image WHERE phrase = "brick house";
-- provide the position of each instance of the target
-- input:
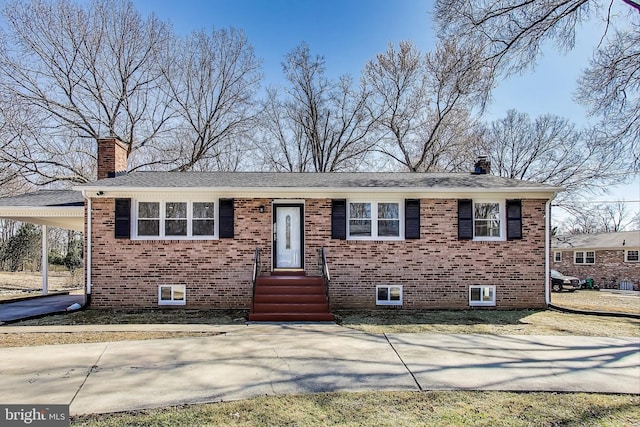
(610, 259)
(265, 241)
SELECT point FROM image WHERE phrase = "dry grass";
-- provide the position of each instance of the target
(618, 302)
(15, 285)
(433, 408)
(517, 322)
(30, 339)
(148, 316)
(111, 317)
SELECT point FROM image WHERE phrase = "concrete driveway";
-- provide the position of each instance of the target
(253, 360)
(24, 309)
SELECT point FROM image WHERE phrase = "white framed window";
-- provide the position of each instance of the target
(584, 257)
(375, 220)
(172, 295)
(488, 220)
(148, 219)
(389, 295)
(557, 256)
(169, 219)
(480, 295)
(632, 256)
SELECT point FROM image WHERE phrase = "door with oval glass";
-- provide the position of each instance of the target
(287, 236)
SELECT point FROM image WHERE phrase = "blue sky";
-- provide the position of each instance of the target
(348, 33)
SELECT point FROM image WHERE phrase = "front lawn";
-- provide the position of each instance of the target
(431, 408)
(604, 300)
(513, 322)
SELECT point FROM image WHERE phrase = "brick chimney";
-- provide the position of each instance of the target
(482, 166)
(112, 157)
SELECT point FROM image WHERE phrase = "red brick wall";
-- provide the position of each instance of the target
(435, 270)
(607, 272)
(216, 273)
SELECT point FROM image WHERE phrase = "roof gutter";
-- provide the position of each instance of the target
(306, 190)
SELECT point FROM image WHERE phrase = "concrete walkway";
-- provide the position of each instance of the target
(38, 306)
(245, 361)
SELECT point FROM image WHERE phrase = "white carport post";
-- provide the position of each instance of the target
(45, 262)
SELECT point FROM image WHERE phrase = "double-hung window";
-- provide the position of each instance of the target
(148, 219)
(203, 221)
(175, 220)
(487, 220)
(632, 256)
(584, 257)
(374, 220)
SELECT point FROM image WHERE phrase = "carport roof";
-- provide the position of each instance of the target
(56, 208)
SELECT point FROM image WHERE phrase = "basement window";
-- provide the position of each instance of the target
(632, 256)
(171, 295)
(388, 295)
(482, 295)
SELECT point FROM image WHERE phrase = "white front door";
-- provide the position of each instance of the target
(287, 236)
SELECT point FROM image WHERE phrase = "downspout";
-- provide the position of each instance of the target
(547, 250)
(88, 252)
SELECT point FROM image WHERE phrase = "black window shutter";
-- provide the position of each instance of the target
(123, 219)
(226, 228)
(339, 219)
(514, 219)
(412, 219)
(465, 219)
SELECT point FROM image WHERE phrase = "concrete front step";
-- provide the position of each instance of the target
(289, 290)
(290, 280)
(285, 298)
(290, 298)
(290, 308)
(291, 317)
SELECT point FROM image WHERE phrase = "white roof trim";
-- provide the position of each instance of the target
(67, 217)
(280, 192)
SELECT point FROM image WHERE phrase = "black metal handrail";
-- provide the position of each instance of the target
(325, 272)
(256, 271)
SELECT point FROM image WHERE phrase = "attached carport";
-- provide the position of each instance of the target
(47, 208)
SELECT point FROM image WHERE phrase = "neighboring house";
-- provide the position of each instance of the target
(610, 259)
(416, 240)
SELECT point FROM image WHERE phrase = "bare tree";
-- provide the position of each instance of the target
(422, 104)
(282, 144)
(89, 71)
(11, 128)
(549, 150)
(321, 125)
(601, 218)
(512, 34)
(212, 79)
(610, 87)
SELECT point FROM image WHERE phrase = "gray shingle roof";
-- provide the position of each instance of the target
(48, 198)
(620, 240)
(257, 180)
